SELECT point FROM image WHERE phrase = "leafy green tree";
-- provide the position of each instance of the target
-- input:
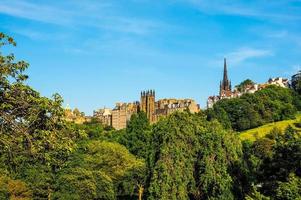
(252, 110)
(219, 151)
(80, 183)
(14, 189)
(290, 190)
(133, 183)
(101, 166)
(242, 86)
(32, 128)
(190, 158)
(255, 195)
(296, 82)
(284, 162)
(137, 135)
(173, 157)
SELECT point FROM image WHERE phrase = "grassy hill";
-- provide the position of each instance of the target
(261, 131)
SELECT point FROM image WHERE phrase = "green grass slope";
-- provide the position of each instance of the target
(261, 131)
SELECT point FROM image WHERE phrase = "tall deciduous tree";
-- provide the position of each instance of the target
(137, 135)
(191, 157)
(32, 129)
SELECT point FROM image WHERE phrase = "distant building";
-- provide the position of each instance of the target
(147, 104)
(212, 100)
(121, 114)
(104, 116)
(165, 107)
(226, 90)
(75, 116)
(279, 81)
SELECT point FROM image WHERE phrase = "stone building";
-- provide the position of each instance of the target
(104, 116)
(147, 104)
(212, 100)
(165, 107)
(279, 81)
(75, 116)
(122, 113)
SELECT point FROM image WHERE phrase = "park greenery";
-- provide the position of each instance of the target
(183, 156)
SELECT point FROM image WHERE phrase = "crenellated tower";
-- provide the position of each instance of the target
(147, 104)
(225, 84)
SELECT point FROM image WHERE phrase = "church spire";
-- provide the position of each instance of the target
(225, 86)
(225, 79)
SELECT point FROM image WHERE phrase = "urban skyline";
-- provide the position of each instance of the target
(174, 46)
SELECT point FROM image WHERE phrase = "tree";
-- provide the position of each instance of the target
(191, 157)
(13, 189)
(290, 190)
(243, 85)
(255, 195)
(137, 135)
(80, 183)
(97, 171)
(284, 163)
(296, 82)
(252, 110)
(219, 151)
(32, 129)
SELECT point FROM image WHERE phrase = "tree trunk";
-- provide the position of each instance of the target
(140, 189)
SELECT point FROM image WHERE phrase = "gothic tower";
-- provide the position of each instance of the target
(148, 104)
(225, 84)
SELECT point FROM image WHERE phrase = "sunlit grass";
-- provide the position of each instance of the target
(261, 131)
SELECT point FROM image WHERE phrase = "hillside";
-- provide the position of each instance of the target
(261, 131)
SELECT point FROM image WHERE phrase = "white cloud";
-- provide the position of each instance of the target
(42, 13)
(271, 10)
(101, 15)
(243, 54)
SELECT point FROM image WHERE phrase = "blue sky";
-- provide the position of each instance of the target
(96, 53)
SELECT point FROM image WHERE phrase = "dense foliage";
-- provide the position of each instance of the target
(243, 85)
(191, 158)
(183, 156)
(252, 110)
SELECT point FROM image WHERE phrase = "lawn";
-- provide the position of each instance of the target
(261, 131)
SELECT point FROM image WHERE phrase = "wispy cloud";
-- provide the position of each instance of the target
(243, 54)
(98, 15)
(34, 35)
(41, 13)
(271, 10)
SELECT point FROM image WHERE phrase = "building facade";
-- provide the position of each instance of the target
(121, 114)
(147, 104)
(104, 116)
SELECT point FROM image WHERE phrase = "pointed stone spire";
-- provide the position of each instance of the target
(225, 78)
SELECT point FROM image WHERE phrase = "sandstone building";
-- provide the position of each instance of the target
(75, 116)
(121, 114)
(147, 104)
(104, 116)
